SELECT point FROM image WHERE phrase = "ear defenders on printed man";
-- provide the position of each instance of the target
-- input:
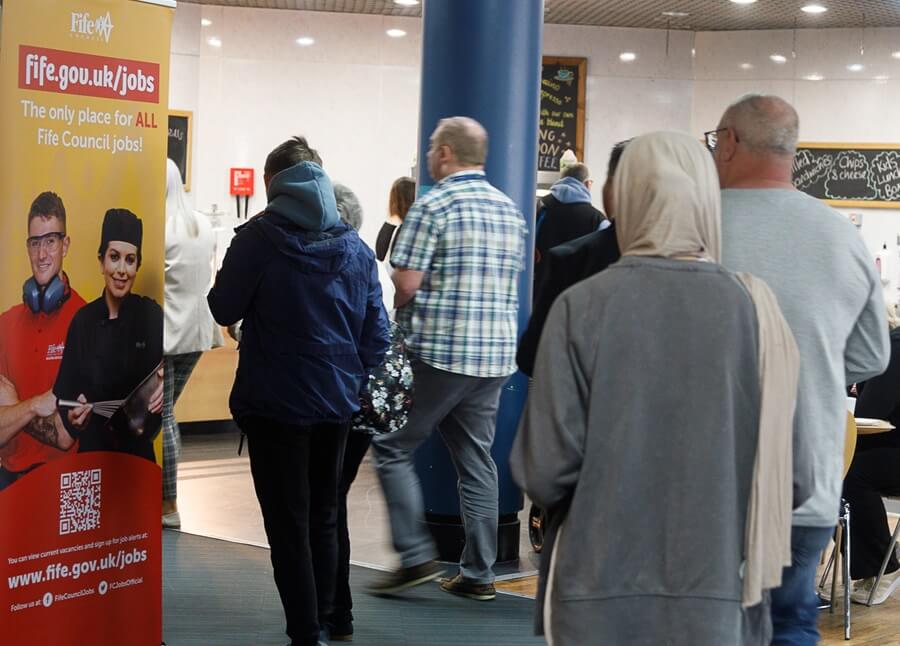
(47, 299)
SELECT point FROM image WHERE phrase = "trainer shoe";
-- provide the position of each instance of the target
(469, 589)
(886, 587)
(171, 521)
(407, 577)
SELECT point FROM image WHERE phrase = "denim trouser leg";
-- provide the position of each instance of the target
(794, 605)
(465, 409)
(468, 433)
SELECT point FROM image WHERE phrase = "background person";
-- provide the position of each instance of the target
(402, 196)
(817, 264)
(875, 472)
(688, 455)
(569, 263)
(313, 329)
(340, 622)
(565, 214)
(457, 258)
(32, 339)
(113, 344)
(189, 326)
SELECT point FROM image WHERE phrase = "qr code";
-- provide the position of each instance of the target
(79, 501)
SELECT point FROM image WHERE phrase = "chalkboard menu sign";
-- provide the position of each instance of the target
(866, 175)
(179, 146)
(562, 110)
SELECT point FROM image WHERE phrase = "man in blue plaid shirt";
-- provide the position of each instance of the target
(457, 258)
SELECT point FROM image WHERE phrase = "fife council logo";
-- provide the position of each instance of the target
(86, 26)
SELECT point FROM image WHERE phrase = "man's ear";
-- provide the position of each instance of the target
(727, 145)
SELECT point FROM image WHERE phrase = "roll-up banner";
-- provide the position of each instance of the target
(83, 105)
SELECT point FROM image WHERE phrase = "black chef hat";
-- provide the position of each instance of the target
(121, 225)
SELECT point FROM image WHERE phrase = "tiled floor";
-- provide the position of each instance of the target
(216, 499)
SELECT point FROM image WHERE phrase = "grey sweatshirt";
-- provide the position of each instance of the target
(829, 292)
(640, 432)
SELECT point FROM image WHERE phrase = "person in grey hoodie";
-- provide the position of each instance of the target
(314, 327)
(565, 214)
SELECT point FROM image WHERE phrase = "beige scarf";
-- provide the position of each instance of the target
(667, 204)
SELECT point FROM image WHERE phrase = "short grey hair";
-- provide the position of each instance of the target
(577, 171)
(348, 206)
(466, 137)
(764, 123)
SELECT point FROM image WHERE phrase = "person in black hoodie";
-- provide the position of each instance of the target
(875, 472)
(565, 214)
(570, 263)
(314, 327)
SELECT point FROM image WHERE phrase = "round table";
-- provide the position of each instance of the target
(867, 426)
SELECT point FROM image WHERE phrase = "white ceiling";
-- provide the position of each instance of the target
(704, 15)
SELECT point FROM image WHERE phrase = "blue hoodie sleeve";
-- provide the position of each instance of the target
(236, 281)
(375, 338)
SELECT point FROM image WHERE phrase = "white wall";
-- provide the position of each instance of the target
(355, 93)
(853, 107)
(626, 99)
(184, 76)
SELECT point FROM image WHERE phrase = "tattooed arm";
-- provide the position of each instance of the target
(37, 416)
(50, 430)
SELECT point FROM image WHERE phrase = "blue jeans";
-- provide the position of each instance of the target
(794, 605)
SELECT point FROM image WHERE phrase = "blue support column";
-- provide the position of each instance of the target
(482, 59)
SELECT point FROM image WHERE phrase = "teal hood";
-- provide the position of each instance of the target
(304, 195)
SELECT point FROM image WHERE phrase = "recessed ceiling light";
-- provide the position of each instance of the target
(856, 67)
(215, 42)
(746, 66)
(675, 14)
(407, 3)
(896, 55)
(395, 33)
(743, 1)
(627, 57)
(814, 77)
(306, 41)
(813, 8)
(882, 77)
(206, 22)
(778, 58)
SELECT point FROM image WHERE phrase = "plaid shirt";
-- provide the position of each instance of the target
(469, 240)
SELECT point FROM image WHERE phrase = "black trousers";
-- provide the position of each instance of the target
(295, 473)
(874, 473)
(357, 445)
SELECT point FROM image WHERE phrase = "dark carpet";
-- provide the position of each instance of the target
(217, 593)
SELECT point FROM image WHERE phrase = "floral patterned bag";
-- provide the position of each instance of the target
(386, 398)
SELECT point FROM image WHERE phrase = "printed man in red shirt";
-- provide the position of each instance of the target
(32, 340)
